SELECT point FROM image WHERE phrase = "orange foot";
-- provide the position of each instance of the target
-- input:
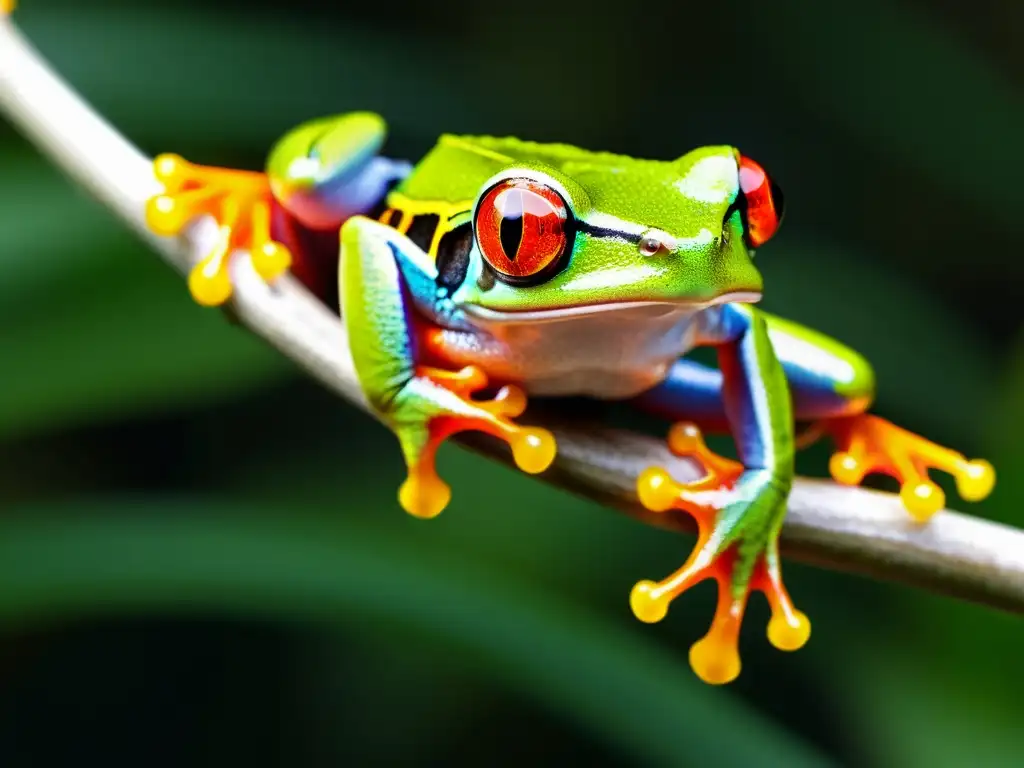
(869, 444)
(437, 404)
(737, 545)
(238, 200)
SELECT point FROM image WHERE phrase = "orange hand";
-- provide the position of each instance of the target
(446, 398)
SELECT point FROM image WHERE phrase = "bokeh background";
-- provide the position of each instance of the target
(201, 557)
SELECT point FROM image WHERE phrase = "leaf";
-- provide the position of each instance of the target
(191, 557)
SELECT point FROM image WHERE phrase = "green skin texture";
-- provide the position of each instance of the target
(683, 199)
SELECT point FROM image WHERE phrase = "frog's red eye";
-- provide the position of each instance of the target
(762, 202)
(523, 230)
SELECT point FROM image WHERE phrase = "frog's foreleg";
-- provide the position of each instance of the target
(832, 387)
(380, 270)
(739, 508)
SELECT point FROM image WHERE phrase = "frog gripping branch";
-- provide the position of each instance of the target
(509, 268)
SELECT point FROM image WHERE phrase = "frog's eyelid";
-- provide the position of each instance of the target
(595, 230)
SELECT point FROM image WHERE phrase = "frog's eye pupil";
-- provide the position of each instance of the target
(511, 227)
(522, 228)
(763, 203)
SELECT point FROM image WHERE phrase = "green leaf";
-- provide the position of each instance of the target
(190, 557)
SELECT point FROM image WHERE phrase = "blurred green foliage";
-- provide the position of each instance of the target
(201, 557)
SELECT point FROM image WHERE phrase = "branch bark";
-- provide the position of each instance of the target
(845, 529)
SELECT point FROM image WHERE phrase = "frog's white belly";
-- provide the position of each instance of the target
(610, 354)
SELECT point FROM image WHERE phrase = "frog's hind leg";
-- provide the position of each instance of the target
(321, 173)
(832, 388)
(240, 202)
(380, 269)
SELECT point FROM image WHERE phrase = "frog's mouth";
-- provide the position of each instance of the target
(652, 309)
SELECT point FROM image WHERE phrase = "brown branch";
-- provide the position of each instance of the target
(828, 525)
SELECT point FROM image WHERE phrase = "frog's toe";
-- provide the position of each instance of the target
(715, 658)
(868, 444)
(658, 492)
(739, 568)
(739, 563)
(238, 200)
(437, 404)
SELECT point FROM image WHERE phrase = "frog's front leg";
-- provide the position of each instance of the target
(381, 270)
(739, 508)
(832, 387)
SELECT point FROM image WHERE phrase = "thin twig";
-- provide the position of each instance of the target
(836, 527)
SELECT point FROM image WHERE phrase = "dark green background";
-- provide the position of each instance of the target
(201, 557)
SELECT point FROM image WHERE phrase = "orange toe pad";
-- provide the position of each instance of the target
(867, 444)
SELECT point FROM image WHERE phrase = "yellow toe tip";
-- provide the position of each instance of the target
(922, 499)
(845, 469)
(656, 489)
(533, 450)
(513, 401)
(976, 481)
(209, 289)
(715, 661)
(647, 603)
(170, 169)
(424, 497)
(164, 216)
(685, 439)
(789, 633)
(271, 260)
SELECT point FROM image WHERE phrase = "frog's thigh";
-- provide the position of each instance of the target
(826, 379)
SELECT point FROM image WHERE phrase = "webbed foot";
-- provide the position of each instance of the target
(739, 514)
(240, 202)
(436, 404)
(868, 444)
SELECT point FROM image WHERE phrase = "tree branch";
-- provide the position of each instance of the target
(832, 526)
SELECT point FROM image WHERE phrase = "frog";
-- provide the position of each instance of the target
(496, 270)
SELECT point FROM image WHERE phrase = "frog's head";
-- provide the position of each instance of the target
(567, 232)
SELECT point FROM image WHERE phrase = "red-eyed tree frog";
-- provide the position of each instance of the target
(526, 269)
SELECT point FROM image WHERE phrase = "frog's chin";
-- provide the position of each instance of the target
(653, 308)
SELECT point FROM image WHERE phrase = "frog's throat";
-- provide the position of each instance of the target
(582, 310)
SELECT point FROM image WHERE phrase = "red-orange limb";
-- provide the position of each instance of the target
(441, 404)
(715, 658)
(239, 201)
(868, 444)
